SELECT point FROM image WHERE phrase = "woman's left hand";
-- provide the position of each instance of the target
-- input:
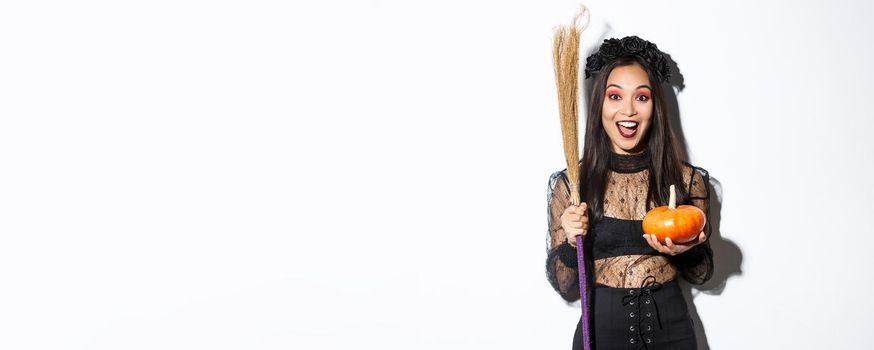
(671, 248)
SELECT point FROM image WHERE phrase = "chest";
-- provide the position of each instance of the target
(625, 195)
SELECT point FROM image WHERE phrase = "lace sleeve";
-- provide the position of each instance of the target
(696, 264)
(561, 257)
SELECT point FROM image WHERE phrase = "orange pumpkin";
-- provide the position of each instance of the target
(681, 223)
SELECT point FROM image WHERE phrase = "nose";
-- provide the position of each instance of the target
(628, 108)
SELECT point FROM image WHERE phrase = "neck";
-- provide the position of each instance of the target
(629, 163)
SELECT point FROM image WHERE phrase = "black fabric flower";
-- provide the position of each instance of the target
(613, 48)
(650, 54)
(593, 64)
(663, 67)
(632, 44)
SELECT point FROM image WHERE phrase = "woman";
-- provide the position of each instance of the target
(630, 159)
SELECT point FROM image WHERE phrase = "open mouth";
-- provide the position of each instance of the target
(627, 128)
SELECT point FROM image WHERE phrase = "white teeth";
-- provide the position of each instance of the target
(627, 124)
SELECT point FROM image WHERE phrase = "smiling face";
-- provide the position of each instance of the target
(628, 108)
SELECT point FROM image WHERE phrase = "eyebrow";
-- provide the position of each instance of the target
(642, 86)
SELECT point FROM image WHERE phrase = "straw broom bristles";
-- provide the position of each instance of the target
(566, 57)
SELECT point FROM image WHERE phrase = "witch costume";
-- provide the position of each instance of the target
(634, 298)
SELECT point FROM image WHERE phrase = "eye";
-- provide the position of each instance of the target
(643, 98)
(613, 96)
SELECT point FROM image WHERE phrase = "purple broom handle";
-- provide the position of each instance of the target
(581, 266)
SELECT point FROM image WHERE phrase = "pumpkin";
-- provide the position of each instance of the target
(681, 223)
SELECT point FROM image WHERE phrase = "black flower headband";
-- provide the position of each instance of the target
(614, 48)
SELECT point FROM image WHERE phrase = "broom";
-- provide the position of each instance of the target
(565, 55)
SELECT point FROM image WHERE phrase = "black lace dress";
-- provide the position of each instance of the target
(634, 297)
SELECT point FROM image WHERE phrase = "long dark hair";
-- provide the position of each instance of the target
(666, 165)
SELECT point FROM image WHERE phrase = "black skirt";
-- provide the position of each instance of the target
(652, 317)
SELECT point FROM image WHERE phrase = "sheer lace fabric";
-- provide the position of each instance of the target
(624, 199)
(562, 275)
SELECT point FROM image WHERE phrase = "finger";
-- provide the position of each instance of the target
(673, 249)
(661, 247)
(575, 219)
(702, 237)
(584, 206)
(575, 224)
(682, 247)
(658, 244)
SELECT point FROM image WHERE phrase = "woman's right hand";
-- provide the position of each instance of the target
(575, 222)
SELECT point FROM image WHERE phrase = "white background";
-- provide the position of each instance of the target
(372, 174)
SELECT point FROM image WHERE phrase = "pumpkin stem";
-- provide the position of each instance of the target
(672, 204)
